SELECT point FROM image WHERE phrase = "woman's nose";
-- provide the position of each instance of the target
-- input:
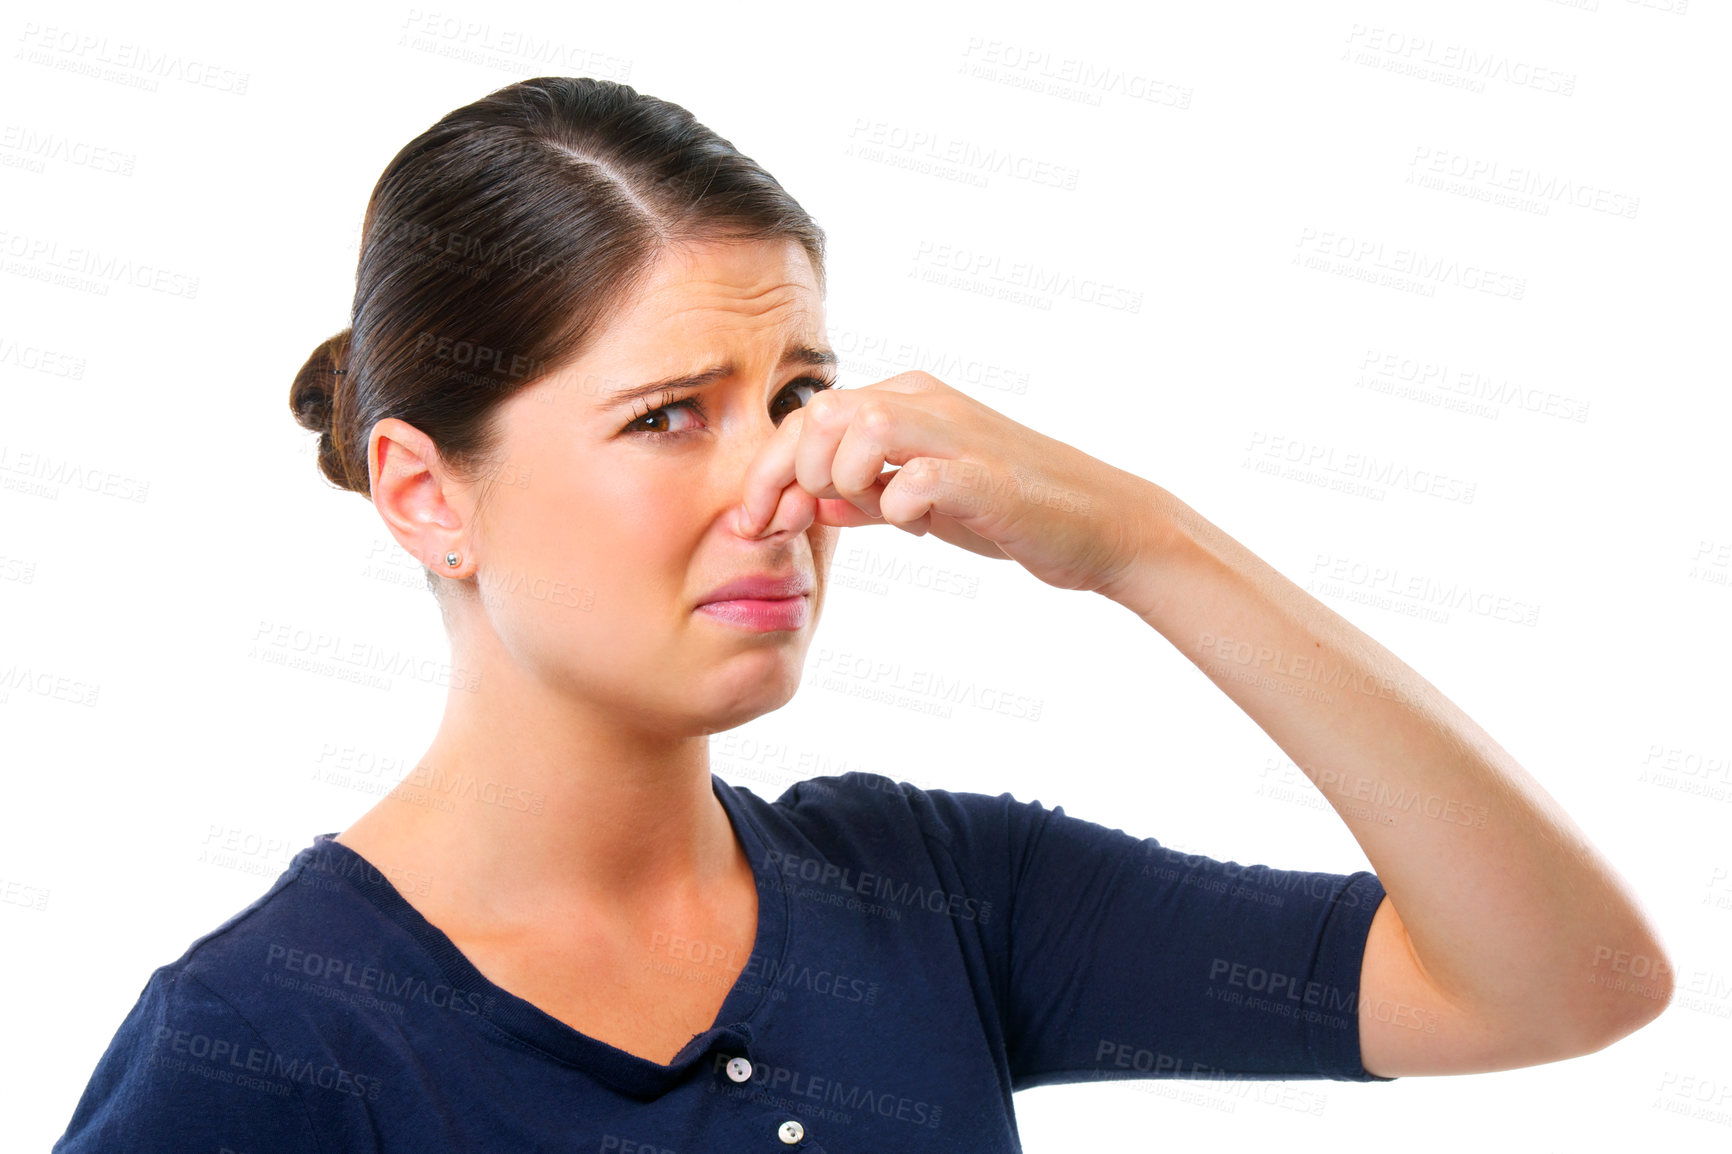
(795, 510)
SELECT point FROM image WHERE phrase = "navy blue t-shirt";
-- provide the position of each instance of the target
(920, 955)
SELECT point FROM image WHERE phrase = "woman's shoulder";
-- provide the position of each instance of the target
(864, 807)
(843, 800)
(184, 1071)
(315, 887)
(223, 1040)
(315, 946)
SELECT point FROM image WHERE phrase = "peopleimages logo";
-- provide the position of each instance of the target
(1369, 258)
(797, 1084)
(223, 1059)
(824, 873)
(372, 979)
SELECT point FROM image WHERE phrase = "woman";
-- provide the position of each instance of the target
(587, 384)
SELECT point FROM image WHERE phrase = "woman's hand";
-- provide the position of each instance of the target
(966, 474)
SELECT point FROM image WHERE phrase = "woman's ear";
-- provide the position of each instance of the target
(425, 508)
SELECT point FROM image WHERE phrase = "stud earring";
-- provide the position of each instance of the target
(451, 559)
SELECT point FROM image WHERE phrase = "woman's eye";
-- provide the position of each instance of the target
(813, 383)
(692, 406)
(662, 413)
(667, 405)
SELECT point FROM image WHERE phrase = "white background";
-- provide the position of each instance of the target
(1212, 150)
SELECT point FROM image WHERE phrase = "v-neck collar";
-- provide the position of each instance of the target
(629, 1073)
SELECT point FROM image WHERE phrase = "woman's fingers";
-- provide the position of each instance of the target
(963, 472)
(837, 446)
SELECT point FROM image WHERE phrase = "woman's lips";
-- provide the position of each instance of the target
(761, 615)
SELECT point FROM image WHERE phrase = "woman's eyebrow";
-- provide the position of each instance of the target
(795, 355)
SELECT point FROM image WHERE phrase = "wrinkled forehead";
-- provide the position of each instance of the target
(742, 299)
(730, 280)
(702, 315)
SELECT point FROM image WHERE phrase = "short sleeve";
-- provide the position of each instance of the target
(1120, 958)
(186, 1072)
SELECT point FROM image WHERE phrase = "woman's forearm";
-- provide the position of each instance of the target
(1509, 909)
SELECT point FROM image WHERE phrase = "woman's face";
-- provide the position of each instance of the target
(599, 538)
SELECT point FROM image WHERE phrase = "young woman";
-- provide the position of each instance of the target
(587, 384)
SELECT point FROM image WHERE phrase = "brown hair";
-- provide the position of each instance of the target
(500, 240)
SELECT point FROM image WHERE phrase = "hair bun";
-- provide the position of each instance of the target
(313, 400)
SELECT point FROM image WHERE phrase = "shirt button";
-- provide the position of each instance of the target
(739, 1070)
(790, 1131)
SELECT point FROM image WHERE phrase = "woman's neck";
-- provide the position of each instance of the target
(523, 806)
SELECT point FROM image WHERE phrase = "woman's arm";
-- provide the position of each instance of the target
(1505, 940)
(1514, 943)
